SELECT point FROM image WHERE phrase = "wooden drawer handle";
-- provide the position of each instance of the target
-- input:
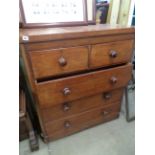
(105, 113)
(107, 95)
(66, 107)
(113, 80)
(113, 54)
(62, 61)
(67, 124)
(66, 91)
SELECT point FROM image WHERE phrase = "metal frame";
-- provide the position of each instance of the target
(128, 118)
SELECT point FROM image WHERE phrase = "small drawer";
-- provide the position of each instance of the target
(72, 108)
(71, 88)
(111, 53)
(61, 128)
(58, 61)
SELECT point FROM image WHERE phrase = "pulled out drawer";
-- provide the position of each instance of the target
(52, 62)
(71, 88)
(61, 128)
(72, 108)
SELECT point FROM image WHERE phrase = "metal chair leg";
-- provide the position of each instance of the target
(128, 118)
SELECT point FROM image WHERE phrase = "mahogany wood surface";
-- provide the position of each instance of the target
(58, 61)
(72, 75)
(67, 109)
(53, 93)
(48, 34)
(82, 121)
(77, 42)
(111, 53)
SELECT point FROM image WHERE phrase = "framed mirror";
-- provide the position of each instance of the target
(53, 13)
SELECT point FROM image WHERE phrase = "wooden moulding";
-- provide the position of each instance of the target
(54, 34)
(76, 42)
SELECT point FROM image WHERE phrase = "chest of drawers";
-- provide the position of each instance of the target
(76, 75)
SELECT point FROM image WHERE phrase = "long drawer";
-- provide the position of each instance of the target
(75, 87)
(47, 63)
(61, 128)
(111, 53)
(72, 108)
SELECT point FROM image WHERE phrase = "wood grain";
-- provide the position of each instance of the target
(82, 121)
(100, 54)
(77, 42)
(83, 93)
(52, 92)
(48, 63)
(73, 108)
(50, 34)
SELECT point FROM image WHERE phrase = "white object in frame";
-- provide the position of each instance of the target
(132, 5)
(90, 10)
(113, 11)
(53, 11)
(124, 12)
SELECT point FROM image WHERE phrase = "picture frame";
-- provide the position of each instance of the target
(51, 13)
(91, 12)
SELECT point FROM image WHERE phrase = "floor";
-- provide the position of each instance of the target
(113, 138)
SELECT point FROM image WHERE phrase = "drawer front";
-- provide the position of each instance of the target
(72, 108)
(85, 120)
(75, 87)
(111, 53)
(59, 61)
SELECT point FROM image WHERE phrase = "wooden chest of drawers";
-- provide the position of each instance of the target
(76, 75)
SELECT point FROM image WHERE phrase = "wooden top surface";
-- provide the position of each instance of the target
(47, 34)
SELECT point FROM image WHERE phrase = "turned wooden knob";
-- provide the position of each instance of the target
(113, 80)
(66, 107)
(104, 113)
(62, 61)
(107, 95)
(67, 124)
(113, 54)
(66, 91)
